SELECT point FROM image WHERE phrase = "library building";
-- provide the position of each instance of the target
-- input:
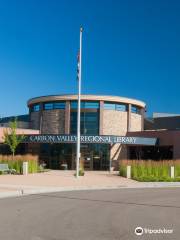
(113, 128)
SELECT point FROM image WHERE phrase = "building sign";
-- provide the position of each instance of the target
(108, 139)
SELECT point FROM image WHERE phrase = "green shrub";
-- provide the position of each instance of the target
(177, 170)
(81, 172)
(150, 171)
(122, 170)
(17, 163)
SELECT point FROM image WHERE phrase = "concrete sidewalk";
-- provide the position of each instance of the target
(56, 181)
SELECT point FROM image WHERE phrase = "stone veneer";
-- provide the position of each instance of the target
(136, 122)
(34, 120)
(114, 122)
(53, 122)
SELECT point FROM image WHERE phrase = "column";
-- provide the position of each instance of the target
(67, 117)
(41, 118)
(101, 109)
(142, 118)
(129, 118)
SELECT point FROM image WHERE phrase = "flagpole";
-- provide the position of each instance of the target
(78, 154)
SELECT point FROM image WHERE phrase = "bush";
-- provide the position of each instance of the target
(81, 172)
(177, 170)
(17, 163)
(122, 171)
(151, 171)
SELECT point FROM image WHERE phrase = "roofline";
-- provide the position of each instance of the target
(87, 97)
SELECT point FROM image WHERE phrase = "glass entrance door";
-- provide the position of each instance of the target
(95, 156)
(86, 157)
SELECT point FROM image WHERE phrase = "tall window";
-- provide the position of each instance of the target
(89, 123)
(89, 117)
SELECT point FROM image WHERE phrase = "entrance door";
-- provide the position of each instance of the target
(86, 157)
(93, 156)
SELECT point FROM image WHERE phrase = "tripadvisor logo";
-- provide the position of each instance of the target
(139, 231)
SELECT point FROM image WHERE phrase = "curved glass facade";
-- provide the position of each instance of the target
(89, 117)
(89, 123)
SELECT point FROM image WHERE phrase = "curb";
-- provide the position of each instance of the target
(28, 190)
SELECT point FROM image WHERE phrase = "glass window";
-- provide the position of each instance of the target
(48, 106)
(115, 106)
(56, 105)
(89, 123)
(135, 109)
(59, 105)
(109, 106)
(121, 107)
(74, 104)
(36, 108)
(84, 104)
(91, 105)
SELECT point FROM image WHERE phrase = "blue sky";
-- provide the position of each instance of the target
(130, 48)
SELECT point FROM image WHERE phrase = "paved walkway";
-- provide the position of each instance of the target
(55, 181)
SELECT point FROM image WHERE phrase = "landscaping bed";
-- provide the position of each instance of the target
(151, 171)
(17, 162)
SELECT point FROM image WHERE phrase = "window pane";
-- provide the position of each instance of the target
(36, 108)
(90, 105)
(48, 106)
(59, 105)
(74, 104)
(89, 122)
(56, 105)
(109, 106)
(115, 106)
(135, 109)
(121, 107)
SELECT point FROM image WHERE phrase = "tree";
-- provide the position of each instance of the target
(11, 138)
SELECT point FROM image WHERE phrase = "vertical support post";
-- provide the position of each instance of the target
(129, 118)
(110, 161)
(25, 168)
(172, 172)
(67, 117)
(142, 118)
(101, 109)
(41, 118)
(128, 171)
(79, 108)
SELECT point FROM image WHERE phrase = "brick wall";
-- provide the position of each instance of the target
(53, 122)
(136, 122)
(114, 122)
(34, 120)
